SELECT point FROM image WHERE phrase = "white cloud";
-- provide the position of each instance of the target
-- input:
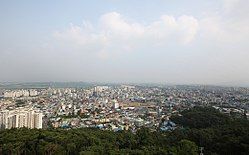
(115, 33)
(212, 48)
(114, 24)
(229, 24)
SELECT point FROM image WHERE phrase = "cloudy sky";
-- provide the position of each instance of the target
(159, 41)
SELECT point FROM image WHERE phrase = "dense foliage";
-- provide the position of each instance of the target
(203, 127)
(216, 132)
(89, 141)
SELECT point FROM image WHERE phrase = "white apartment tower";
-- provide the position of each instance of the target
(23, 117)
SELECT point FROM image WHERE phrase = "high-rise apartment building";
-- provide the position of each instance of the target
(23, 117)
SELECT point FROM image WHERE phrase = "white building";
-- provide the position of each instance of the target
(20, 93)
(33, 92)
(115, 104)
(23, 117)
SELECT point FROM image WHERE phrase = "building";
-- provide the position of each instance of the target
(22, 117)
(115, 104)
(20, 93)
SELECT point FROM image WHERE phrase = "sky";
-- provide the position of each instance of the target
(159, 41)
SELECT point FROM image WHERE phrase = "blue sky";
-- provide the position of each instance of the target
(161, 41)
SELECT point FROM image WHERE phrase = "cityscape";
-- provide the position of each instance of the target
(114, 107)
(124, 77)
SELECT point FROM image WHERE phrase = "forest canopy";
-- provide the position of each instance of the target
(198, 127)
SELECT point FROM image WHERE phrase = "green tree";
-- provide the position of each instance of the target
(186, 147)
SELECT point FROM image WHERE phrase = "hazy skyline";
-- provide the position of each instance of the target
(160, 41)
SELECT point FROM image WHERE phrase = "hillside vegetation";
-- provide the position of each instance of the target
(198, 127)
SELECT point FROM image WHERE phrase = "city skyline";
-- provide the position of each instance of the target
(180, 42)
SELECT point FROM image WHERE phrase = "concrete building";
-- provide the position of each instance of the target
(22, 117)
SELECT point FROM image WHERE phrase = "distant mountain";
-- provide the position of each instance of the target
(45, 85)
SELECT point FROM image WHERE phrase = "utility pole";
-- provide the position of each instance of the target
(201, 149)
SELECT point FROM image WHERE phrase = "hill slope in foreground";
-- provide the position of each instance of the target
(200, 127)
